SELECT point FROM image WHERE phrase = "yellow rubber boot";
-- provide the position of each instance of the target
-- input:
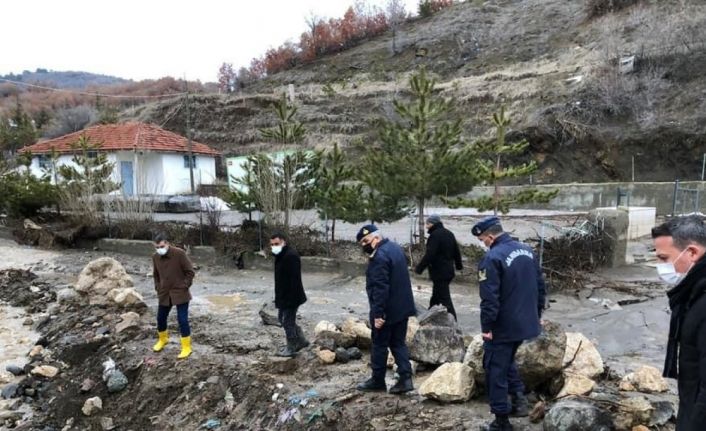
(185, 347)
(163, 340)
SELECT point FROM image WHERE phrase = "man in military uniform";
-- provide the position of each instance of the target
(391, 304)
(512, 295)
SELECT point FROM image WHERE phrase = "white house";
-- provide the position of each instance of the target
(148, 160)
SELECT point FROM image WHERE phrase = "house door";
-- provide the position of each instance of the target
(126, 175)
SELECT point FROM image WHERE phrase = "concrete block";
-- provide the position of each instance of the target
(615, 223)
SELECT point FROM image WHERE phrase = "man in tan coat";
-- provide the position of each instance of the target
(173, 275)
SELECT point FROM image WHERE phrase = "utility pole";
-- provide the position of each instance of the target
(188, 137)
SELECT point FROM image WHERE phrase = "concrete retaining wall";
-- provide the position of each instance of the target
(587, 196)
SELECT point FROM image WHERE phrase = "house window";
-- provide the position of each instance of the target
(92, 154)
(193, 162)
(44, 162)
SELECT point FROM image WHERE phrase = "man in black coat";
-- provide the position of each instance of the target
(680, 245)
(441, 256)
(289, 293)
(391, 302)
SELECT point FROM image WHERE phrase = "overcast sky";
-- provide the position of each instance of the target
(151, 38)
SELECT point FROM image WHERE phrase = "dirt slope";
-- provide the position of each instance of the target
(555, 68)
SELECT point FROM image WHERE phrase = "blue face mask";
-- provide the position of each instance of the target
(162, 250)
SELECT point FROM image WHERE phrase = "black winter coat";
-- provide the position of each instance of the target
(441, 255)
(688, 326)
(289, 290)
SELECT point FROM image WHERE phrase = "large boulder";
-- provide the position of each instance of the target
(360, 330)
(129, 320)
(329, 337)
(633, 412)
(575, 384)
(438, 339)
(412, 328)
(100, 277)
(474, 359)
(542, 359)
(126, 297)
(268, 314)
(581, 356)
(437, 316)
(451, 382)
(644, 379)
(437, 345)
(324, 326)
(574, 415)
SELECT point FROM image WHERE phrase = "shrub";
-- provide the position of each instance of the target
(23, 195)
(602, 7)
(428, 8)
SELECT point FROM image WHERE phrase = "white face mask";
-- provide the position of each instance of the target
(162, 250)
(277, 249)
(668, 273)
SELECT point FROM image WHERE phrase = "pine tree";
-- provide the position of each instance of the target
(492, 171)
(243, 197)
(335, 193)
(287, 130)
(90, 171)
(17, 131)
(421, 155)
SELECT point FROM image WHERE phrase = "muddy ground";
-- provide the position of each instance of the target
(232, 377)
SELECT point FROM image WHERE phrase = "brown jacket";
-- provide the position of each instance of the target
(173, 275)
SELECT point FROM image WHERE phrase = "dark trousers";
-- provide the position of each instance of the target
(390, 336)
(288, 318)
(501, 375)
(441, 294)
(182, 318)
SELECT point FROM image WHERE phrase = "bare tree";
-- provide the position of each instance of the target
(396, 15)
(312, 21)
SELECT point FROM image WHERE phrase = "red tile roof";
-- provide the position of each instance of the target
(122, 137)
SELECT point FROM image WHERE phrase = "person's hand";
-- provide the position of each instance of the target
(488, 336)
(379, 322)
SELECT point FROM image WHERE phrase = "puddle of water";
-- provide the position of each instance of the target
(15, 339)
(226, 302)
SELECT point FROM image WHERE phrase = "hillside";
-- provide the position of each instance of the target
(554, 67)
(68, 79)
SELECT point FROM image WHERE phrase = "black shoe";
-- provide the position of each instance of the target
(372, 385)
(301, 341)
(287, 351)
(501, 423)
(520, 405)
(404, 384)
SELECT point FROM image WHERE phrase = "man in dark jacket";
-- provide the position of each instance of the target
(512, 295)
(680, 245)
(391, 304)
(173, 274)
(441, 256)
(289, 293)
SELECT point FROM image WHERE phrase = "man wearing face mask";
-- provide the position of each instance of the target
(173, 275)
(391, 302)
(289, 293)
(441, 256)
(512, 296)
(680, 245)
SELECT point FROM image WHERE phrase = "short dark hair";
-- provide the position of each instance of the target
(159, 237)
(684, 231)
(279, 235)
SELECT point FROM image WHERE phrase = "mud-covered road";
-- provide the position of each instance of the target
(232, 348)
